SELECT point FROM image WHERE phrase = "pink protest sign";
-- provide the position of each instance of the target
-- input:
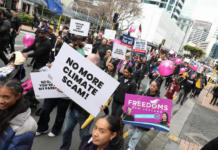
(147, 112)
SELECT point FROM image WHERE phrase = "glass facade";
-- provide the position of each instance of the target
(188, 8)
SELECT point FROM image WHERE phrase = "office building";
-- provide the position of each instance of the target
(188, 8)
(214, 30)
(207, 46)
(174, 7)
(214, 51)
(200, 31)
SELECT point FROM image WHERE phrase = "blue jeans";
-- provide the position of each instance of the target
(73, 117)
(136, 134)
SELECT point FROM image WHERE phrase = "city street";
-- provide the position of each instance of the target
(191, 122)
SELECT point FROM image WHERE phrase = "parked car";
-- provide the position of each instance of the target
(209, 76)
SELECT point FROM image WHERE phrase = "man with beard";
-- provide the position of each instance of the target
(41, 47)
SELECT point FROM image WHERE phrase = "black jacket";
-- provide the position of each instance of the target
(215, 91)
(95, 48)
(103, 48)
(176, 71)
(116, 144)
(124, 88)
(52, 39)
(66, 39)
(5, 27)
(212, 145)
(41, 50)
(144, 68)
(138, 75)
(57, 48)
(189, 84)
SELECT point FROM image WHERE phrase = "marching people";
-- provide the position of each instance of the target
(51, 36)
(123, 63)
(215, 95)
(106, 135)
(78, 46)
(200, 84)
(173, 88)
(17, 127)
(57, 48)
(138, 73)
(127, 86)
(95, 46)
(187, 86)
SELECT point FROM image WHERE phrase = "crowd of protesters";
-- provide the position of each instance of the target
(18, 128)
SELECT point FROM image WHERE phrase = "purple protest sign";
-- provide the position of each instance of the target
(147, 112)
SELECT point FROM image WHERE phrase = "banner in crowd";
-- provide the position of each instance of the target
(109, 34)
(147, 112)
(87, 49)
(149, 48)
(81, 80)
(79, 27)
(173, 59)
(192, 63)
(119, 51)
(127, 41)
(140, 47)
(43, 88)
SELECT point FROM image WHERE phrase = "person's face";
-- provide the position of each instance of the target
(1, 16)
(101, 134)
(75, 46)
(12, 64)
(103, 42)
(94, 42)
(144, 59)
(87, 40)
(42, 35)
(59, 39)
(50, 30)
(201, 76)
(164, 116)
(136, 64)
(64, 33)
(68, 25)
(126, 73)
(7, 98)
(78, 36)
(159, 62)
(193, 76)
(110, 67)
(15, 14)
(153, 87)
(108, 54)
(129, 110)
(127, 57)
(99, 38)
(136, 57)
(44, 23)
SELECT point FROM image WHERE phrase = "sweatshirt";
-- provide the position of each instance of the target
(189, 84)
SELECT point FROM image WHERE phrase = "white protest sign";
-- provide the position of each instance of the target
(109, 34)
(187, 60)
(79, 27)
(87, 49)
(119, 51)
(149, 48)
(43, 88)
(81, 80)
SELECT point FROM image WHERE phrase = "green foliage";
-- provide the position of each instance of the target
(25, 18)
(187, 55)
(194, 51)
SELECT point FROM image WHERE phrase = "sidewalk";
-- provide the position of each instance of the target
(28, 28)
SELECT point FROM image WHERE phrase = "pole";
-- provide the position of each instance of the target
(42, 10)
(101, 26)
(58, 25)
(212, 76)
(161, 45)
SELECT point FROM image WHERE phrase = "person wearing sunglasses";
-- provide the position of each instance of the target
(123, 63)
(41, 48)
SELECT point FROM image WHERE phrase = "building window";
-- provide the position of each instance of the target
(164, 0)
(162, 5)
(172, 2)
(169, 8)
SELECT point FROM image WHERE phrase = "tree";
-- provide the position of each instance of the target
(129, 10)
(194, 51)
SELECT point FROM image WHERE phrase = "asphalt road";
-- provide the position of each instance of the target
(43, 142)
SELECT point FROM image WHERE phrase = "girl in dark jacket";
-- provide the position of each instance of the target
(106, 135)
(57, 48)
(127, 85)
(144, 66)
(137, 132)
(215, 95)
(138, 74)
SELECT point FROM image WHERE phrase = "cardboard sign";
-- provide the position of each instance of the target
(127, 41)
(192, 63)
(87, 49)
(140, 47)
(79, 27)
(147, 112)
(43, 88)
(119, 51)
(109, 34)
(81, 80)
(149, 48)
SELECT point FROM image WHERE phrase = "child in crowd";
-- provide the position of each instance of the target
(173, 88)
(4, 71)
(28, 85)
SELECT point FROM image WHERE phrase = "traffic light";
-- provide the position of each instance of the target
(163, 41)
(116, 15)
(116, 26)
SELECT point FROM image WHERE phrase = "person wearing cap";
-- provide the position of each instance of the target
(43, 25)
(65, 36)
(42, 49)
(51, 36)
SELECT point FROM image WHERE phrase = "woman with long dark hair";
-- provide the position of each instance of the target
(127, 86)
(111, 69)
(138, 73)
(106, 135)
(17, 127)
(57, 48)
(164, 121)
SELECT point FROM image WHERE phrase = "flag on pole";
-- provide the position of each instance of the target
(55, 6)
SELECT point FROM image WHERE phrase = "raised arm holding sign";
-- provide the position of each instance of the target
(119, 51)
(79, 27)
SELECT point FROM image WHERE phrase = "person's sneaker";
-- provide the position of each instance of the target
(51, 134)
(39, 133)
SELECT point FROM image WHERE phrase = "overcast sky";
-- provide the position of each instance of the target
(206, 10)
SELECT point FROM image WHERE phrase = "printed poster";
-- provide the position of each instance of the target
(127, 41)
(109, 34)
(79, 27)
(87, 49)
(119, 51)
(147, 112)
(140, 47)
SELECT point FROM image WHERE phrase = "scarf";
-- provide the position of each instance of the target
(108, 60)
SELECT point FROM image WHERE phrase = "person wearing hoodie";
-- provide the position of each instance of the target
(138, 73)
(187, 86)
(127, 86)
(106, 135)
(137, 132)
(17, 127)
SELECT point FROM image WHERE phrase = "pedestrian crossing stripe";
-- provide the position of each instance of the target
(175, 97)
(125, 134)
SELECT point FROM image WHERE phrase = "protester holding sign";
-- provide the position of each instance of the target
(127, 85)
(17, 126)
(137, 132)
(123, 63)
(58, 46)
(106, 135)
(107, 57)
